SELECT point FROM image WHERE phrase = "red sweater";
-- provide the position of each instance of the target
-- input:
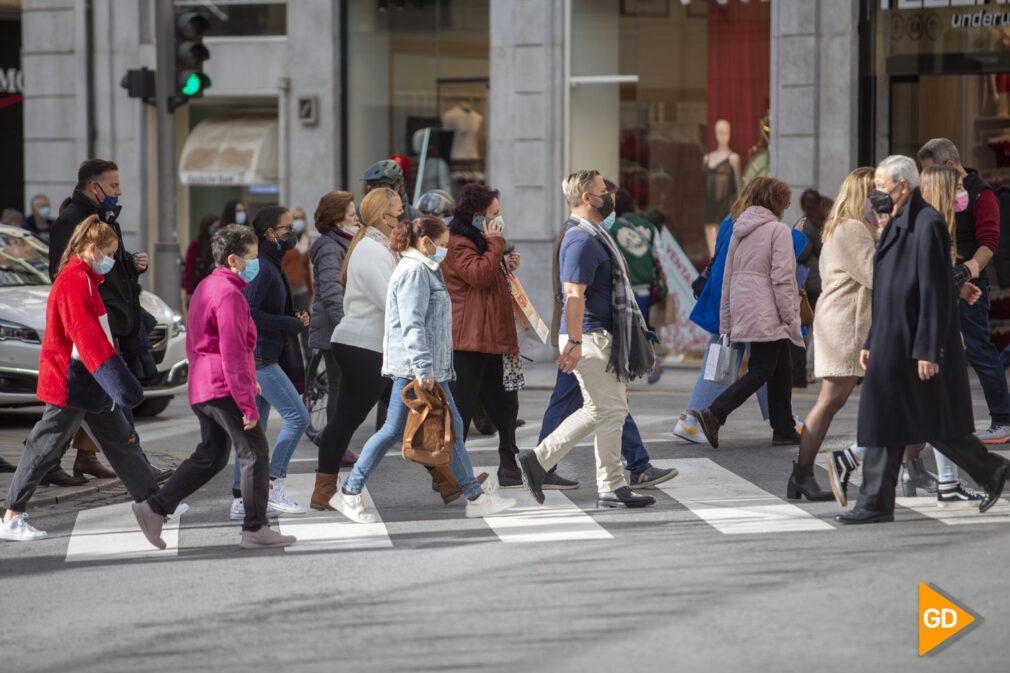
(78, 365)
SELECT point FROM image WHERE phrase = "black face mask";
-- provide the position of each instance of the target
(606, 207)
(287, 241)
(881, 202)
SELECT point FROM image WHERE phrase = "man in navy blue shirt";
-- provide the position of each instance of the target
(585, 341)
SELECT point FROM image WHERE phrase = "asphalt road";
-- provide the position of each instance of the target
(716, 577)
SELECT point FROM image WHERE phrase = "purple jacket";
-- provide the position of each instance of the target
(220, 339)
(760, 300)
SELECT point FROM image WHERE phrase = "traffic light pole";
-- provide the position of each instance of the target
(166, 249)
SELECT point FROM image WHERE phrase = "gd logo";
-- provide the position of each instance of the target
(941, 620)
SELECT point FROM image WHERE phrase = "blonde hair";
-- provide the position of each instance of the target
(743, 201)
(577, 184)
(375, 204)
(850, 204)
(91, 231)
(939, 188)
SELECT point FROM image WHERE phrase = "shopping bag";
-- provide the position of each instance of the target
(527, 318)
(718, 363)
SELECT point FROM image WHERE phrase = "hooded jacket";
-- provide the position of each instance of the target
(760, 300)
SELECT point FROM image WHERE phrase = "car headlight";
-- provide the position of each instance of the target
(18, 332)
(177, 325)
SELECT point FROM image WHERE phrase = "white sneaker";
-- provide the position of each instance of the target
(19, 530)
(353, 507)
(183, 508)
(488, 504)
(237, 512)
(279, 500)
(687, 428)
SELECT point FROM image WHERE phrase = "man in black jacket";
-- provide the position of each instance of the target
(97, 193)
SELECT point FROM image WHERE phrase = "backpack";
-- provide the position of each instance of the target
(428, 435)
(1001, 260)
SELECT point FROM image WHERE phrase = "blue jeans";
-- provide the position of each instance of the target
(983, 356)
(280, 393)
(391, 434)
(705, 392)
(567, 399)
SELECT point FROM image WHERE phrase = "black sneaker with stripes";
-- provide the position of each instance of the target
(953, 495)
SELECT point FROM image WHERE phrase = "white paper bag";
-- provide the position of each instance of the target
(718, 363)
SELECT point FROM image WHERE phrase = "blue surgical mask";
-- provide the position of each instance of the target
(298, 226)
(439, 256)
(212, 231)
(104, 266)
(240, 217)
(252, 268)
(44, 212)
(608, 221)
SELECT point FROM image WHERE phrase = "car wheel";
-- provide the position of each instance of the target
(152, 406)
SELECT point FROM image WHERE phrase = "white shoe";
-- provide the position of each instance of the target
(488, 504)
(183, 508)
(237, 512)
(279, 500)
(353, 507)
(687, 428)
(19, 530)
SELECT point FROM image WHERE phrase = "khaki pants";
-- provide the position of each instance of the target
(604, 408)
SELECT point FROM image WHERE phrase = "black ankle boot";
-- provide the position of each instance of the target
(802, 483)
(914, 475)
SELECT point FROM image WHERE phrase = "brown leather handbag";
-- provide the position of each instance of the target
(806, 310)
(428, 436)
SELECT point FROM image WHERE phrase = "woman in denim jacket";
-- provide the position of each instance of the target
(417, 345)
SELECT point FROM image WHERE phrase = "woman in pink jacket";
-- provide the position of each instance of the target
(760, 306)
(220, 339)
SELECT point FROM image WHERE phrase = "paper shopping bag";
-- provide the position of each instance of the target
(718, 363)
(527, 318)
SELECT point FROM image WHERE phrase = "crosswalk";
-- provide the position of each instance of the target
(727, 502)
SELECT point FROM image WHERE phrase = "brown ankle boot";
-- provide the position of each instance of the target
(448, 487)
(87, 463)
(326, 488)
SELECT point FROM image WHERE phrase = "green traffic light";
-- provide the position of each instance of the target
(193, 85)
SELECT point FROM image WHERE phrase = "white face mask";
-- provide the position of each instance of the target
(500, 222)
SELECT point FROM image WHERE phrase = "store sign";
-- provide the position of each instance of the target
(12, 80)
(931, 25)
(933, 4)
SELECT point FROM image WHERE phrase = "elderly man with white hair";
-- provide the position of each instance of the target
(916, 385)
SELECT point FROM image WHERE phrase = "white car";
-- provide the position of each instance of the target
(24, 290)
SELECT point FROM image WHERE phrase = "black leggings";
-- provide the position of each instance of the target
(361, 386)
(332, 382)
(479, 378)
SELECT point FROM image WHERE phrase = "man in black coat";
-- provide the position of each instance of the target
(916, 386)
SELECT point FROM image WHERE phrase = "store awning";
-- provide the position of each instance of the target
(231, 151)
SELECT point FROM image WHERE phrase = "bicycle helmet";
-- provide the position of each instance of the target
(386, 171)
(437, 202)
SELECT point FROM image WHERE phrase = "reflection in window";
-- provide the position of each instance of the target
(240, 18)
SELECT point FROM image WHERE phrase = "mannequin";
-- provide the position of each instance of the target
(722, 183)
(467, 124)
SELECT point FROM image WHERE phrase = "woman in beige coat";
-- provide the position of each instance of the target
(842, 320)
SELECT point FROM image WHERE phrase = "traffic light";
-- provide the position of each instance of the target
(190, 53)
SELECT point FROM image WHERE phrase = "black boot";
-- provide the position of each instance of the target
(914, 475)
(802, 483)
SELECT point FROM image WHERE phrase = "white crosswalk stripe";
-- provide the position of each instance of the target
(329, 531)
(731, 504)
(926, 505)
(111, 532)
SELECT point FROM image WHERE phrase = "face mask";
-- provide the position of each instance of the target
(501, 222)
(287, 241)
(608, 221)
(212, 231)
(104, 266)
(352, 230)
(299, 226)
(607, 207)
(252, 267)
(961, 202)
(44, 212)
(439, 256)
(240, 217)
(882, 202)
(108, 203)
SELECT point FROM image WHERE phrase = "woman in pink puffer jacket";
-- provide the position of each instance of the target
(761, 307)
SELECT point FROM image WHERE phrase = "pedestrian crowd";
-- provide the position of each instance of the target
(412, 308)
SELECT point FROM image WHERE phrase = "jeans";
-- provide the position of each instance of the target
(983, 356)
(567, 399)
(770, 363)
(50, 438)
(391, 435)
(705, 392)
(279, 393)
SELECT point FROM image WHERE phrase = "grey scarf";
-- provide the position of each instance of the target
(629, 325)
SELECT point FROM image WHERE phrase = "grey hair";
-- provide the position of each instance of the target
(233, 239)
(576, 184)
(11, 215)
(36, 198)
(940, 150)
(899, 167)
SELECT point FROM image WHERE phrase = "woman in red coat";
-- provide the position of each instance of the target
(81, 378)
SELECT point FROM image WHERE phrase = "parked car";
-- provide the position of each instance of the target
(24, 290)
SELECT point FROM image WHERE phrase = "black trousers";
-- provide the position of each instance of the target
(479, 378)
(769, 362)
(220, 428)
(332, 382)
(361, 386)
(881, 466)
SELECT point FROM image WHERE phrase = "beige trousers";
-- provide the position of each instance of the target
(604, 408)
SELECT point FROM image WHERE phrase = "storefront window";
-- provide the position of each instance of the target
(241, 18)
(670, 100)
(415, 66)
